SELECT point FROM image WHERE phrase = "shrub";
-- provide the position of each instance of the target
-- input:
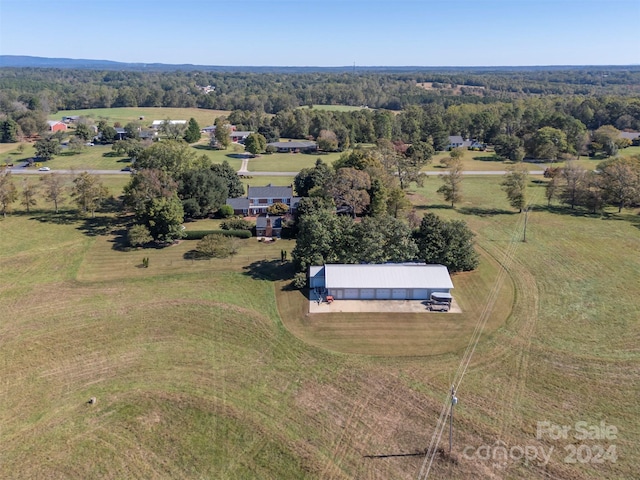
(216, 246)
(225, 211)
(236, 224)
(199, 234)
(138, 235)
(299, 280)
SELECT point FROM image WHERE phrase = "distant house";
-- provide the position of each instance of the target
(634, 137)
(121, 133)
(238, 136)
(55, 126)
(147, 134)
(389, 281)
(156, 124)
(258, 199)
(294, 146)
(212, 128)
(70, 119)
(268, 225)
(456, 141)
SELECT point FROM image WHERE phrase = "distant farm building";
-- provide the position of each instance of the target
(294, 146)
(389, 281)
(55, 126)
(156, 124)
(259, 199)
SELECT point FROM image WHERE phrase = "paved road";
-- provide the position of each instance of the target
(35, 171)
(242, 172)
(431, 174)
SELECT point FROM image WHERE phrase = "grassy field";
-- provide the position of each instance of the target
(486, 161)
(289, 162)
(125, 115)
(210, 369)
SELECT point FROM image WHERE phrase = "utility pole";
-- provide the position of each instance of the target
(454, 401)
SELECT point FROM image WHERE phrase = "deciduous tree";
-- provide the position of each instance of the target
(327, 141)
(573, 178)
(255, 144)
(89, 192)
(202, 192)
(84, 132)
(446, 243)
(514, 184)
(47, 148)
(310, 178)
(349, 190)
(54, 188)
(171, 156)
(451, 189)
(28, 194)
(8, 192)
(163, 218)
(229, 175)
(620, 180)
(222, 133)
(547, 143)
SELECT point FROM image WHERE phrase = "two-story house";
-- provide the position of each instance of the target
(258, 199)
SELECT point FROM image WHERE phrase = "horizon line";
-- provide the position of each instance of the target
(349, 66)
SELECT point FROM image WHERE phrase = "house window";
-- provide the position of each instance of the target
(262, 201)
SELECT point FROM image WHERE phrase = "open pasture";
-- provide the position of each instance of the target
(209, 369)
(125, 115)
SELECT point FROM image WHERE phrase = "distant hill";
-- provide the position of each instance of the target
(24, 61)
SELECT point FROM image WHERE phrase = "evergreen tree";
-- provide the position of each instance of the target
(192, 134)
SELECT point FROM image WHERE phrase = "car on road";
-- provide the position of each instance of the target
(126, 169)
(44, 169)
(89, 144)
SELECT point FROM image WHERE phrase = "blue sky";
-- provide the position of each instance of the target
(327, 32)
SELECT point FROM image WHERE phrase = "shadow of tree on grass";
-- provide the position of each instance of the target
(486, 212)
(273, 270)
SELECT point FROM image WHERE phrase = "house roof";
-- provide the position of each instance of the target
(157, 123)
(276, 221)
(241, 203)
(630, 135)
(51, 123)
(240, 134)
(455, 139)
(316, 271)
(269, 191)
(388, 275)
(293, 144)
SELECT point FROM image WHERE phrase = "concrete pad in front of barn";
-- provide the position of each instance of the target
(376, 306)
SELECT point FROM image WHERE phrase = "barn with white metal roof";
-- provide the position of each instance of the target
(389, 281)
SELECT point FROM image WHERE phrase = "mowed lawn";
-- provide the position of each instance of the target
(197, 375)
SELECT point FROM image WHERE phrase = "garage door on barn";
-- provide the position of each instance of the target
(389, 281)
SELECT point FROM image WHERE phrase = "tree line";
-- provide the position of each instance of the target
(70, 89)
